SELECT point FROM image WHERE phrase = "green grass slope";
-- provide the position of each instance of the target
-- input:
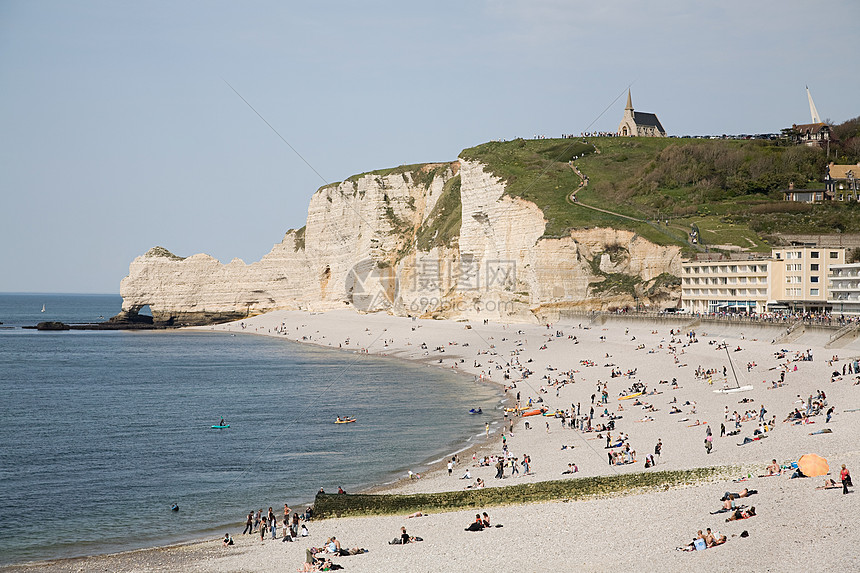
(730, 189)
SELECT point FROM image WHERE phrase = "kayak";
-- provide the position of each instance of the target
(474, 411)
(521, 408)
(534, 412)
(628, 396)
(218, 427)
(348, 421)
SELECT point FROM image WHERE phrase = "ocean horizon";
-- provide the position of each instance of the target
(105, 430)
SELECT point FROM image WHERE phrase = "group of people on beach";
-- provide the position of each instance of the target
(290, 527)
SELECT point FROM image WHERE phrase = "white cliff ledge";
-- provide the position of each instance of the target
(429, 240)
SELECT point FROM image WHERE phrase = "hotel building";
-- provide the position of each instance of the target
(793, 279)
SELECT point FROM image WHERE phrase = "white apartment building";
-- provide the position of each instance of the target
(844, 287)
(725, 286)
(793, 279)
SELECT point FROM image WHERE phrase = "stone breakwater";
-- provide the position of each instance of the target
(434, 240)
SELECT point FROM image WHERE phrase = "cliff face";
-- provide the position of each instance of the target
(437, 239)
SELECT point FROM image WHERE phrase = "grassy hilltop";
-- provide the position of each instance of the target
(730, 189)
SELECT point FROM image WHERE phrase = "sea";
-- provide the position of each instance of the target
(104, 431)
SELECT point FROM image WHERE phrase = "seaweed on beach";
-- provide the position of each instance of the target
(342, 505)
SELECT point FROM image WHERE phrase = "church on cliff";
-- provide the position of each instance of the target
(638, 123)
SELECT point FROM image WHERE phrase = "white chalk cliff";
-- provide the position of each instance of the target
(432, 240)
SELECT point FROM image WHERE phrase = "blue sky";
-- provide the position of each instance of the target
(118, 133)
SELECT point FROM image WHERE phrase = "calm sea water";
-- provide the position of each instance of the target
(104, 431)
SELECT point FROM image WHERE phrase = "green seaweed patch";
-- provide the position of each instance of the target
(343, 505)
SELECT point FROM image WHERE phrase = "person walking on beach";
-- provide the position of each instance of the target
(709, 444)
(450, 467)
(249, 524)
(845, 476)
(658, 448)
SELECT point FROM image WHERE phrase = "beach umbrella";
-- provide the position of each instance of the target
(813, 465)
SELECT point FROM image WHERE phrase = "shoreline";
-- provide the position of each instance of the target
(786, 443)
(193, 541)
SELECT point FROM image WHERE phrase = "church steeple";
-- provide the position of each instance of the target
(629, 101)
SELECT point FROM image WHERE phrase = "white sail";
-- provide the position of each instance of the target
(812, 110)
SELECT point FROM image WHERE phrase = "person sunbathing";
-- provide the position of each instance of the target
(829, 484)
(742, 514)
(745, 492)
(728, 505)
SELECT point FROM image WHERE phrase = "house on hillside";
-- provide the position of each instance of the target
(811, 134)
(841, 182)
(804, 195)
(638, 123)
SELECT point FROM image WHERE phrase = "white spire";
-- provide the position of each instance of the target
(812, 110)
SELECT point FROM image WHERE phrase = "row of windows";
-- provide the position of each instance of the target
(723, 269)
(725, 291)
(797, 279)
(798, 292)
(812, 255)
(724, 280)
(795, 293)
(799, 267)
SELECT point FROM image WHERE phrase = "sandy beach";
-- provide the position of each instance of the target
(563, 365)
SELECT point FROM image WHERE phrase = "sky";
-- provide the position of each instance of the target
(119, 131)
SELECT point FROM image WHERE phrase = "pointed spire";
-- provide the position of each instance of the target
(629, 101)
(812, 111)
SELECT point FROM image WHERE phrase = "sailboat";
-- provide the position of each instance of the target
(738, 387)
(43, 308)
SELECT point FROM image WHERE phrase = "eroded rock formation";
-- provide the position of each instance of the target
(438, 240)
